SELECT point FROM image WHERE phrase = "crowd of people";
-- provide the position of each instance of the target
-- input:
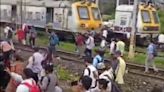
(38, 74)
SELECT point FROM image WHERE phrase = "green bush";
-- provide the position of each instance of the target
(107, 17)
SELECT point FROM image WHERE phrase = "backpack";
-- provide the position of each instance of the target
(54, 40)
(89, 72)
(155, 53)
(114, 87)
(33, 88)
(100, 62)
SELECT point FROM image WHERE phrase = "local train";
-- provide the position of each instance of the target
(147, 22)
(56, 14)
(147, 19)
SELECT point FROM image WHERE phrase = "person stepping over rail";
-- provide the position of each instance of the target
(35, 63)
(112, 46)
(103, 44)
(53, 42)
(89, 45)
(6, 50)
(49, 82)
(17, 67)
(91, 71)
(80, 44)
(28, 84)
(32, 36)
(120, 70)
(151, 54)
(99, 58)
(21, 36)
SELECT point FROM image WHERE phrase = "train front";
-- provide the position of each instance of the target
(148, 19)
(86, 17)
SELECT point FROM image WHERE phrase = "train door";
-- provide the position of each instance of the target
(13, 12)
(49, 15)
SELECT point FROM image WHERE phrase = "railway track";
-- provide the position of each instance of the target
(131, 68)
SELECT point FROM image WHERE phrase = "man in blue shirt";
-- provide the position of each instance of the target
(151, 53)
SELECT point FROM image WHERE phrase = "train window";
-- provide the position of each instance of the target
(123, 21)
(29, 16)
(145, 16)
(83, 13)
(38, 16)
(5, 13)
(69, 12)
(96, 13)
(155, 16)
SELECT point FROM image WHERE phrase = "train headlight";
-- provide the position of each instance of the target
(100, 25)
(82, 25)
(145, 28)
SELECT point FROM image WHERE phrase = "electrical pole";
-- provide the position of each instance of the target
(21, 12)
(117, 3)
(133, 32)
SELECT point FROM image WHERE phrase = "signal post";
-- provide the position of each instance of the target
(133, 33)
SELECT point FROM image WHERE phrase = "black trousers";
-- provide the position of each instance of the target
(6, 58)
(88, 52)
(35, 77)
(32, 41)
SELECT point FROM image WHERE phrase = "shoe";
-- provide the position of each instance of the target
(58, 58)
(156, 70)
(146, 72)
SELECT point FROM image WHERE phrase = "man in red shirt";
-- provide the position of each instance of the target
(21, 36)
(80, 44)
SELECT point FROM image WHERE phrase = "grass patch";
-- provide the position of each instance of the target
(140, 59)
(161, 16)
(43, 40)
(65, 74)
(66, 46)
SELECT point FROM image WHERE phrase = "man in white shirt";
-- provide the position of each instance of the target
(161, 38)
(105, 33)
(89, 45)
(91, 71)
(6, 31)
(35, 63)
(86, 82)
(112, 46)
(161, 41)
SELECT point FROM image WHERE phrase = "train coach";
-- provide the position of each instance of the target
(147, 22)
(59, 15)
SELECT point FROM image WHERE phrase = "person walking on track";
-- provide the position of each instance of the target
(151, 54)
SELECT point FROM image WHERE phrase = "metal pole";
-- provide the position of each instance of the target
(97, 2)
(0, 23)
(118, 2)
(133, 35)
(21, 12)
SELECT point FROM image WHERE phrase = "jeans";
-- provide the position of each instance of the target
(150, 61)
